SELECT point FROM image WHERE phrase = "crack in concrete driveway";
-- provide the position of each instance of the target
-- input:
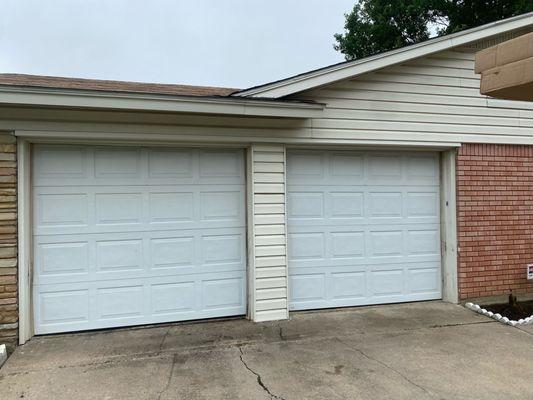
(165, 388)
(258, 376)
(382, 363)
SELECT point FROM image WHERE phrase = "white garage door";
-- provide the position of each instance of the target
(363, 228)
(127, 236)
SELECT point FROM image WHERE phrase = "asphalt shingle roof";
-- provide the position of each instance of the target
(39, 81)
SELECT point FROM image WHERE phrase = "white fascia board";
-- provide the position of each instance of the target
(347, 70)
(41, 97)
(87, 137)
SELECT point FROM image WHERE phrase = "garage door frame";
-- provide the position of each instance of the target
(329, 198)
(448, 217)
(448, 209)
(25, 212)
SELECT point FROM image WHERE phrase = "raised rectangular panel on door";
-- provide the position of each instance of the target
(363, 228)
(133, 235)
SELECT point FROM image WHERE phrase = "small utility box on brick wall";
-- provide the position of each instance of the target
(3, 354)
(529, 271)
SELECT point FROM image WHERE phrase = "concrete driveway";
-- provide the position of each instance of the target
(429, 350)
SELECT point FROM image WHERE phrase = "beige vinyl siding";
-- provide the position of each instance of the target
(429, 101)
(269, 238)
(434, 98)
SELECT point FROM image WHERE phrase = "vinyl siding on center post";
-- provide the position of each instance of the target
(269, 243)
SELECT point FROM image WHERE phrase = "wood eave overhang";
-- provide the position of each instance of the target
(507, 69)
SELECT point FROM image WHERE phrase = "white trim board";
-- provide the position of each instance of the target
(178, 137)
(450, 289)
(45, 97)
(24, 240)
(250, 230)
(337, 72)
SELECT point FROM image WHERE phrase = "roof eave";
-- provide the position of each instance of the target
(338, 72)
(81, 99)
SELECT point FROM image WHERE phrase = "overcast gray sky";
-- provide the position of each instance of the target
(234, 43)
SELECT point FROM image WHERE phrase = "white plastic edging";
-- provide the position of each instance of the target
(498, 317)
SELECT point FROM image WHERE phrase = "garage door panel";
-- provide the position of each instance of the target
(64, 210)
(363, 228)
(63, 306)
(326, 205)
(305, 205)
(385, 243)
(118, 208)
(137, 235)
(384, 168)
(384, 205)
(324, 264)
(307, 246)
(339, 263)
(221, 249)
(367, 168)
(89, 166)
(169, 164)
(424, 280)
(122, 256)
(220, 164)
(422, 242)
(307, 287)
(103, 304)
(70, 258)
(221, 205)
(346, 204)
(422, 169)
(60, 163)
(62, 258)
(172, 253)
(422, 205)
(120, 302)
(222, 293)
(345, 244)
(353, 285)
(305, 167)
(117, 163)
(173, 297)
(348, 285)
(386, 282)
(167, 207)
(347, 167)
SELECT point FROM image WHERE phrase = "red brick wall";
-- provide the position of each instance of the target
(494, 219)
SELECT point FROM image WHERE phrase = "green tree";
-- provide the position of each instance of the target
(374, 26)
(465, 14)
